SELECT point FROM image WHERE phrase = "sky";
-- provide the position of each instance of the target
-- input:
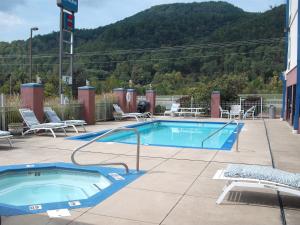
(18, 16)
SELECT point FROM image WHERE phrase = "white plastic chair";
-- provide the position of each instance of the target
(174, 108)
(121, 115)
(224, 112)
(258, 177)
(235, 110)
(6, 135)
(34, 125)
(250, 112)
(53, 118)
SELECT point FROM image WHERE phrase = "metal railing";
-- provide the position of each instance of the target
(106, 135)
(104, 111)
(217, 131)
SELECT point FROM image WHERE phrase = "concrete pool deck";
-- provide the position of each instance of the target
(178, 188)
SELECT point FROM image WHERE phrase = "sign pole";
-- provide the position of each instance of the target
(71, 57)
(61, 54)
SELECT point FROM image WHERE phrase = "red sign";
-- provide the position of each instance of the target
(69, 22)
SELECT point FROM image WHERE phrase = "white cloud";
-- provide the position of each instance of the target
(9, 20)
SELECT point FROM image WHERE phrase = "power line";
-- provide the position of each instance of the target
(152, 59)
(161, 49)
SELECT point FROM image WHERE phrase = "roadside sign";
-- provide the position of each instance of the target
(69, 22)
(67, 80)
(70, 5)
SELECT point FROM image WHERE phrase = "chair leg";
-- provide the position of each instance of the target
(83, 128)
(225, 191)
(26, 132)
(9, 141)
(64, 131)
(52, 133)
(74, 127)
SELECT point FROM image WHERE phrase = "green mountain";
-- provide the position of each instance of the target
(175, 47)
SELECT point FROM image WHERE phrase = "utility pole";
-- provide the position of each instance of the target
(30, 50)
(61, 38)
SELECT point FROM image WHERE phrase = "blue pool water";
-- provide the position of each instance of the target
(175, 134)
(36, 188)
(48, 186)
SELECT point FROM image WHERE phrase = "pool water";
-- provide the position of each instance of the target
(41, 186)
(176, 134)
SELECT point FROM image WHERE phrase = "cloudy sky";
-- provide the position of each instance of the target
(17, 16)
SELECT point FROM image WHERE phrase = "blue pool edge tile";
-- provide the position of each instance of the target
(9, 210)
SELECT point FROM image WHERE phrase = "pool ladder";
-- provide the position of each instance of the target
(217, 131)
(108, 133)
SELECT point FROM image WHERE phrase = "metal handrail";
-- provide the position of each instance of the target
(105, 135)
(217, 131)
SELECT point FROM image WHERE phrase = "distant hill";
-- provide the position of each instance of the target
(187, 39)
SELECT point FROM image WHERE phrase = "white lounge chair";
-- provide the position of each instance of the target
(261, 177)
(250, 112)
(174, 109)
(7, 136)
(119, 114)
(224, 112)
(53, 118)
(235, 110)
(34, 125)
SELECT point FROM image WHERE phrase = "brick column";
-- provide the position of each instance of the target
(86, 96)
(151, 98)
(120, 94)
(214, 104)
(131, 105)
(32, 96)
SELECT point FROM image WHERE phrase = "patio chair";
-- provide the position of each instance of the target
(261, 177)
(235, 110)
(53, 118)
(174, 109)
(119, 114)
(250, 112)
(7, 136)
(34, 125)
(224, 112)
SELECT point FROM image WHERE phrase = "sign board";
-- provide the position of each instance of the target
(67, 80)
(69, 22)
(70, 5)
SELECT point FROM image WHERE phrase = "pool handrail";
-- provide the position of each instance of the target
(217, 131)
(108, 133)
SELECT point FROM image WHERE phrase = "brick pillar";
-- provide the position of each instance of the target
(151, 98)
(120, 94)
(86, 96)
(214, 104)
(131, 105)
(32, 96)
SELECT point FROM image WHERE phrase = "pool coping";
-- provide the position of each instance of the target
(117, 184)
(227, 146)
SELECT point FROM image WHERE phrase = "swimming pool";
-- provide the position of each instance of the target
(36, 188)
(183, 134)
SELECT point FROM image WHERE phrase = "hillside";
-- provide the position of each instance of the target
(176, 47)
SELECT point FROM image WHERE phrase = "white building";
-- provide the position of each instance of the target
(291, 79)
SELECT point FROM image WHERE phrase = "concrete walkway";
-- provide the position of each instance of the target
(177, 189)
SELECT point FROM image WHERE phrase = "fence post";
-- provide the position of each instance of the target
(3, 117)
(105, 107)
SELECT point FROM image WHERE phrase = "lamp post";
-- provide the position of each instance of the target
(30, 50)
